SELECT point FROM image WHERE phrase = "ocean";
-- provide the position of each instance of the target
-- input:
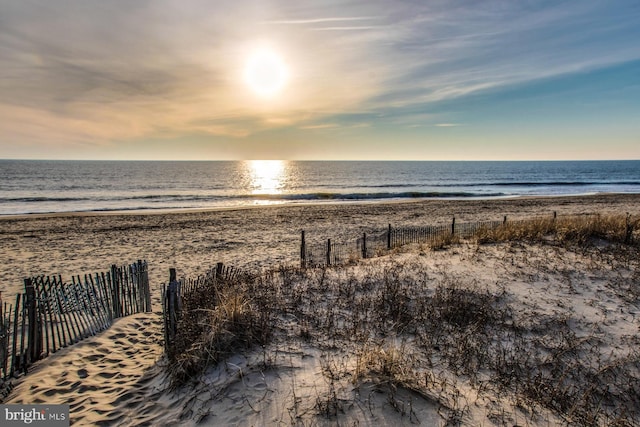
(31, 186)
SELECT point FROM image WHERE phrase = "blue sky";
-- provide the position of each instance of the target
(432, 80)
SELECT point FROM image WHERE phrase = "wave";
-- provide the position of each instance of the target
(104, 198)
(508, 184)
(148, 202)
(553, 183)
(369, 196)
(43, 199)
(160, 201)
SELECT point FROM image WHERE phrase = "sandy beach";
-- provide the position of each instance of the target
(253, 238)
(118, 377)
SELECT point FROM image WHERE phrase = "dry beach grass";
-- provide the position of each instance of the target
(442, 343)
(534, 325)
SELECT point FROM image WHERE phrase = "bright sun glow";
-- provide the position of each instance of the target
(266, 176)
(265, 73)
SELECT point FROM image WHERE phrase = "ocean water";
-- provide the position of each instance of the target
(28, 186)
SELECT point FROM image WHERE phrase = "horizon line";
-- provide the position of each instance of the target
(320, 160)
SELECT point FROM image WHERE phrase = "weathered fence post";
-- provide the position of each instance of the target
(328, 251)
(34, 335)
(303, 251)
(389, 238)
(4, 340)
(143, 268)
(453, 226)
(115, 291)
(171, 310)
(504, 221)
(50, 339)
(15, 364)
(555, 215)
(364, 245)
(138, 273)
(219, 269)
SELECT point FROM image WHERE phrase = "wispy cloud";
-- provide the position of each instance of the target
(459, 52)
(320, 126)
(360, 28)
(312, 23)
(105, 71)
(322, 20)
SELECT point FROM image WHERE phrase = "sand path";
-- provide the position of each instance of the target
(105, 379)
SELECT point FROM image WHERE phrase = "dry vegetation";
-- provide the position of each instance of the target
(390, 327)
(582, 230)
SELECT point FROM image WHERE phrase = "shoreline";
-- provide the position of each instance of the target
(177, 211)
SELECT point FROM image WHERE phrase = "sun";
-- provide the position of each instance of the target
(265, 72)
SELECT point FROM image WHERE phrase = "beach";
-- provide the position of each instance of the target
(252, 238)
(117, 377)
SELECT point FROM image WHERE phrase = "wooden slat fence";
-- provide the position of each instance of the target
(375, 244)
(52, 314)
(189, 294)
(371, 245)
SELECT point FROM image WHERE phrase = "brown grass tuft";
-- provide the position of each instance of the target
(581, 229)
(214, 326)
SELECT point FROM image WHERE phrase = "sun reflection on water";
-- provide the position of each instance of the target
(266, 176)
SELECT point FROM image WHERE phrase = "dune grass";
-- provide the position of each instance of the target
(214, 326)
(576, 229)
(406, 330)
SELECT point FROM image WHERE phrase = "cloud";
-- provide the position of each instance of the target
(160, 66)
(93, 71)
(360, 28)
(435, 55)
(322, 20)
(320, 126)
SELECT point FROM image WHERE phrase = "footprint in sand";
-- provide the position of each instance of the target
(86, 388)
(94, 357)
(107, 375)
(52, 392)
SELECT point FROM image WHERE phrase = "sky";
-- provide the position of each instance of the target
(281, 79)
